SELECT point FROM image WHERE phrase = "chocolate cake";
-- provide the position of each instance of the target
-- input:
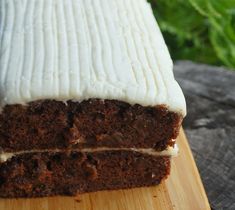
(87, 95)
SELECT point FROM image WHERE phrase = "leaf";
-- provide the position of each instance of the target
(200, 6)
(200, 30)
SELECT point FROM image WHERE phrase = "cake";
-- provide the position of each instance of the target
(88, 97)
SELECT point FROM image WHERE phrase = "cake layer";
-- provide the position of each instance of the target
(47, 174)
(81, 49)
(92, 123)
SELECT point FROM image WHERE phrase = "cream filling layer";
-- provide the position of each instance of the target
(170, 151)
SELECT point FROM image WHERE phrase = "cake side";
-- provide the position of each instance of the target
(78, 49)
(92, 123)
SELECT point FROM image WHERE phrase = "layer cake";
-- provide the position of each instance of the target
(87, 95)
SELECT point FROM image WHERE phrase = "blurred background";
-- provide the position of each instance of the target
(200, 35)
(198, 30)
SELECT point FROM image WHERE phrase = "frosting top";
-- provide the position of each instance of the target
(81, 49)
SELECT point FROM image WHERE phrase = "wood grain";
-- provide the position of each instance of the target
(183, 190)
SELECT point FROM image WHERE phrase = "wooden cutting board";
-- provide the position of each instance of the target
(183, 190)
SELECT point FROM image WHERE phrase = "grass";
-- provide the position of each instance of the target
(198, 30)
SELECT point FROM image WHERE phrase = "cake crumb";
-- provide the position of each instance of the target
(78, 198)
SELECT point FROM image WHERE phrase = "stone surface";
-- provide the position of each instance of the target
(210, 127)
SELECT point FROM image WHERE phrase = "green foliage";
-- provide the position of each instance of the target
(199, 30)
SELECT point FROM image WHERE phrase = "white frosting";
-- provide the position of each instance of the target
(5, 156)
(80, 49)
(170, 151)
